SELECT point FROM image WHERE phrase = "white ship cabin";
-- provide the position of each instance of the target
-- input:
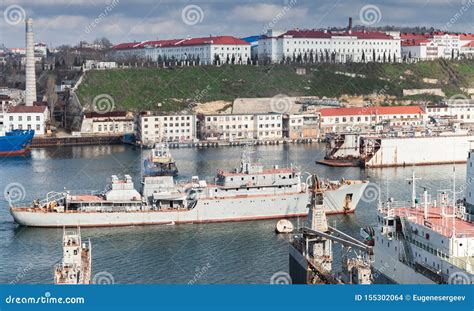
(161, 154)
(161, 193)
(75, 267)
(119, 195)
(433, 237)
(255, 176)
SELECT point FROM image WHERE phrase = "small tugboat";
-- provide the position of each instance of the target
(76, 266)
(160, 163)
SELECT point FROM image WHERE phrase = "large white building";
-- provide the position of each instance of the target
(323, 45)
(206, 50)
(233, 127)
(172, 128)
(27, 118)
(434, 45)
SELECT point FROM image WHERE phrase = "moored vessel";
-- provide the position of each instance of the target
(15, 142)
(427, 241)
(160, 162)
(76, 265)
(250, 192)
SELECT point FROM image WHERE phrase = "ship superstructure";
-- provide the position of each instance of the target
(250, 192)
(311, 251)
(428, 240)
(160, 162)
(76, 265)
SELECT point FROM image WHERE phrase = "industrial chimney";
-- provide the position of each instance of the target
(349, 30)
(30, 64)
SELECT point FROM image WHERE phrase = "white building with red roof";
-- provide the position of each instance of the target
(204, 50)
(323, 45)
(23, 117)
(429, 46)
(363, 118)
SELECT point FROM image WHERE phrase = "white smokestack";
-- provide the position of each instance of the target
(30, 64)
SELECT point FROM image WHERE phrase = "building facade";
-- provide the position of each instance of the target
(110, 123)
(171, 128)
(300, 126)
(456, 110)
(232, 127)
(324, 45)
(205, 51)
(27, 118)
(429, 46)
(363, 119)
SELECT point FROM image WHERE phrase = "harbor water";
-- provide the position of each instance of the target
(237, 252)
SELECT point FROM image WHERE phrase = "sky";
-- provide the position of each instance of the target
(57, 22)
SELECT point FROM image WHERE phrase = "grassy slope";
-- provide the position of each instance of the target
(143, 88)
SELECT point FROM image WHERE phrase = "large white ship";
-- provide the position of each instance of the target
(427, 241)
(247, 193)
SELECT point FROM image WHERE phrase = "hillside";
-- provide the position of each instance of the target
(173, 89)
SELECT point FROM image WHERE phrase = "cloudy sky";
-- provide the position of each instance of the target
(69, 21)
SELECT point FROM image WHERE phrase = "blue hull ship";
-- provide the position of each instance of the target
(15, 142)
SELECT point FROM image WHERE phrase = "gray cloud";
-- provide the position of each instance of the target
(65, 21)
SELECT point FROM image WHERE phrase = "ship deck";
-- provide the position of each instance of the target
(436, 221)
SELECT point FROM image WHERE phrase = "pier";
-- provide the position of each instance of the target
(42, 142)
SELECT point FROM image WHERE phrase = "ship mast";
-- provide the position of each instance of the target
(412, 181)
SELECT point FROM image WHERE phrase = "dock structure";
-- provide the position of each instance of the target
(76, 265)
(311, 252)
(42, 142)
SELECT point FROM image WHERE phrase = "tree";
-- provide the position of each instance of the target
(363, 56)
(389, 58)
(384, 57)
(51, 95)
(373, 55)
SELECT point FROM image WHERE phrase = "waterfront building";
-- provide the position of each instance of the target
(241, 126)
(315, 45)
(299, 126)
(362, 119)
(23, 117)
(171, 128)
(205, 50)
(109, 123)
(456, 110)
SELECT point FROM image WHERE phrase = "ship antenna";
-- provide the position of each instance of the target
(412, 181)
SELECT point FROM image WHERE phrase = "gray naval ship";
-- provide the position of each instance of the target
(250, 192)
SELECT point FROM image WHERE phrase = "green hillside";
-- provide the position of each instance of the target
(174, 89)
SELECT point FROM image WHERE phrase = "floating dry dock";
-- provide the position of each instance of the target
(381, 151)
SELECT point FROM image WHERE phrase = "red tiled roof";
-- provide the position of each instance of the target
(105, 114)
(320, 34)
(332, 112)
(27, 109)
(415, 42)
(219, 40)
(469, 44)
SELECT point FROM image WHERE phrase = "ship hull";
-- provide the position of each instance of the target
(205, 211)
(15, 142)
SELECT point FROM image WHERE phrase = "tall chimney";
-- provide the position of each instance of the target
(30, 64)
(349, 30)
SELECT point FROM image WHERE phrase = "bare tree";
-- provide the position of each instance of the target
(51, 95)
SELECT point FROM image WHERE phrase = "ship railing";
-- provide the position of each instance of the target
(461, 263)
(51, 197)
(83, 192)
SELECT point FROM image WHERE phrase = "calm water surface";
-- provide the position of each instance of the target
(247, 252)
